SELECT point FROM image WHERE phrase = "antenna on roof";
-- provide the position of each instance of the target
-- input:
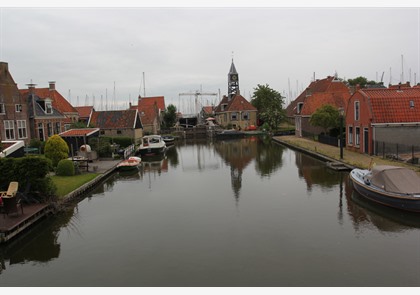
(69, 96)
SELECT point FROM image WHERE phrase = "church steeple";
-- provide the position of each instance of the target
(233, 81)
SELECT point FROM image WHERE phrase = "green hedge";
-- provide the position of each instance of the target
(65, 168)
(32, 169)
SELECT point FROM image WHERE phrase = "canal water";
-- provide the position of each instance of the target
(245, 212)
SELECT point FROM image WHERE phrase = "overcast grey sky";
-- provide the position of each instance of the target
(181, 50)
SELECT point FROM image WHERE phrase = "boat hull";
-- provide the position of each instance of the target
(398, 201)
(151, 151)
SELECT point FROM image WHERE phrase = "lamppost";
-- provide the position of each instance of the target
(341, 111)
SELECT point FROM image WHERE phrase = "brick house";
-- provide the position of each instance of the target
(320, 92)
(151, 113)
(237, 112)
(14, 118)
(390, 115)
(45, 119)
(121, 123)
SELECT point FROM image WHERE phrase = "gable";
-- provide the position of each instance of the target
(58, 101)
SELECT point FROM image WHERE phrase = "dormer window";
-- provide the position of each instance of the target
(411, 104)
(224, 107)
(48, 107)
(299, 107)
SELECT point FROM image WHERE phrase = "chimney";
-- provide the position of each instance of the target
(31, 88)
(4, 66)
(52, 85)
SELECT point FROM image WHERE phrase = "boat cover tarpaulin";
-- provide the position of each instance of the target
(395, 179)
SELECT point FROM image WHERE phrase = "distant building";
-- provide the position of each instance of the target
(151, 113)
(320, 92)
(234, 110)
(14, 117)
(84, 113)
(122, 123)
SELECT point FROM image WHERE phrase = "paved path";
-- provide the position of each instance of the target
(351, 158)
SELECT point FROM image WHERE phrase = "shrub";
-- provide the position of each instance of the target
(65, 168)
(56, 149)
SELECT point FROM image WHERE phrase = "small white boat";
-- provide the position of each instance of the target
(392, 186)
(129, 164)
(152, 145)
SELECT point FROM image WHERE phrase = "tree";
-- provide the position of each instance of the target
(56, 149)
(169, 116)
(326, 117)
(269, 104)
(361, 81)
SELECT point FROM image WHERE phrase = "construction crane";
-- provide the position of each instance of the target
(196, 94)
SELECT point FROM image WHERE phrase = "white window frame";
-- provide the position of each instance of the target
(246, 116)
(356, 110)
(21, 127)
(9, 129)
(357, 136)
(48, 107)
(350, 138)
(2, 109)
(18, 108)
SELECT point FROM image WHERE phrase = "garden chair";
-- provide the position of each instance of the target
(10, 200)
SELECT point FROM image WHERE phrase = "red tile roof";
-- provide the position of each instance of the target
(149, 107)
(237, 103)
(393, 105)
(79, 132)
(316, 100)
(208, 109)
(328, 90)
(122, 119)
(58, 101)
(84, 111)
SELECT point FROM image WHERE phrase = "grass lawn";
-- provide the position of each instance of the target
(67, 184)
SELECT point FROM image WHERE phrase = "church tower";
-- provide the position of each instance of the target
(233, 82)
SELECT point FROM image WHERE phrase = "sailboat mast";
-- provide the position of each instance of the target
(144, 86)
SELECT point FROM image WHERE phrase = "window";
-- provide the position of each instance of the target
(57, 127)
(9, 129)
(18, 108)
(48, 107)
(245, 116)
(350, 134)
(356, 110)
(224, 106)
(2, 108)
(67, 127)
(119, 132)
(299, 107)
(411, 104)
(41, 131)
(357, 138)
(49, 129)
(234, 116)
(21, 126)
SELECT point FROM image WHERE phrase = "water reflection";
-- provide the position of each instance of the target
(315, 172)
(238, 154)
(167, 236)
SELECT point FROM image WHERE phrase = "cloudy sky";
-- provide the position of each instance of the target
(107, 55)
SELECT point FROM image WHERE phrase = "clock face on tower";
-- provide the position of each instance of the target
(234, 77)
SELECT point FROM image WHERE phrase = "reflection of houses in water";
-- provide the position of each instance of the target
(238, 154)
(315, 172)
